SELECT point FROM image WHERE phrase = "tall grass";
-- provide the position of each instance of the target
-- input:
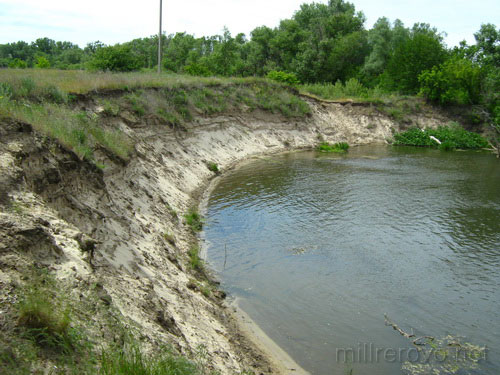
(74, 130)
(83, 82)
(133, 361)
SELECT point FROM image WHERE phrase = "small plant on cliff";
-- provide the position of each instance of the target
(194, 220)
(195, 261)
(337, 147)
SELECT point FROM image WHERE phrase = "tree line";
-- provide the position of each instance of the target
(321, 43)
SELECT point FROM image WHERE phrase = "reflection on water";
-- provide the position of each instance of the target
(319, 247)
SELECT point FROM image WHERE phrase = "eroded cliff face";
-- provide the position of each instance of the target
(119, 231)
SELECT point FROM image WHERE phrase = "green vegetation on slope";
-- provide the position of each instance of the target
(51, 334)
(45, 99)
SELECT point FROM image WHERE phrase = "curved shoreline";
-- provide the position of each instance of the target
(279, 359)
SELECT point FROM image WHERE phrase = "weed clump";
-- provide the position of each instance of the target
(194, 220)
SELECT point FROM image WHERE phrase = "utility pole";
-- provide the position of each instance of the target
(159, 40)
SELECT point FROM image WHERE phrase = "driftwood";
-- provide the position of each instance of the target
(417, 341)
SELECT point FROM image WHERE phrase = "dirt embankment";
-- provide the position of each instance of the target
(121, 227)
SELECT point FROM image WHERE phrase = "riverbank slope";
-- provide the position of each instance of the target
(111, 228)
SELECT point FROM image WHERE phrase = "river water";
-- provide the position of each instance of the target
(318, 247)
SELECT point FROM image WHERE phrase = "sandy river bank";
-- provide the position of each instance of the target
(131, 216)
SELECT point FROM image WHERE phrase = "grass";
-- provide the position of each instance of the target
(50, 338)
(195, 261)
(74, 130)
(44, 99)
(340, 147)
(133, 361)
(194, 220)
(452, 137)
(45, 316)
(39, 81)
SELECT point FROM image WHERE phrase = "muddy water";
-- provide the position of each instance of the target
(319, 247)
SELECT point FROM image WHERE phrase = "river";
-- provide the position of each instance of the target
(318, 247)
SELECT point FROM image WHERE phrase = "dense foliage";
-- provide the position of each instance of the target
(451, 137)
(325, 44)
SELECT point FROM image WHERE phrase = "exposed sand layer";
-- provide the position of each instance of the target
(109, 225)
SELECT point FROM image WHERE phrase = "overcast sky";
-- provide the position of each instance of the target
(116, 21)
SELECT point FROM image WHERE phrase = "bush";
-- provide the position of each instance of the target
(284, 77)
(118, 58)
(42, 63)
(197, 69)
(18, 64)
(451, 137)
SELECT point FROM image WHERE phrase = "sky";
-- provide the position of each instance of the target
(118, 21)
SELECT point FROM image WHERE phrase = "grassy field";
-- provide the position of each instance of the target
(39, 81)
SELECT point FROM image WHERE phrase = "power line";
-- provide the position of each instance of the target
(159, 39)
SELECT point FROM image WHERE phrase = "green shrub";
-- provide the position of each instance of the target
(42, 62)
(283, 77)
(354, 88)
(18, 64)
(451, 137)
(197, 69)
(337, 147)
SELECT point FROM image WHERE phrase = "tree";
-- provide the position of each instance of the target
(457, 81)
(379, 41)
(422, 51)
(177, 51)
(488, 45)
